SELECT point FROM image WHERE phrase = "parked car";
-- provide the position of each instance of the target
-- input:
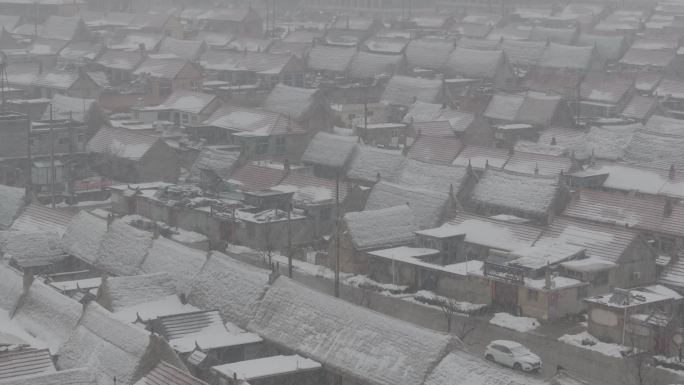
(513, 355)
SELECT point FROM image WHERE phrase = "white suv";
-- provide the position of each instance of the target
(513, 355)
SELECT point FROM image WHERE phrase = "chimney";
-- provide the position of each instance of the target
(553, 141)
(286, 165)
(672, 172)
(536, 168)
(110, 220)
(377, 177)
(669, 206)
(469, 168)
(486, 164)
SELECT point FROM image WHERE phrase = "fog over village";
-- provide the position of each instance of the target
(341, 192)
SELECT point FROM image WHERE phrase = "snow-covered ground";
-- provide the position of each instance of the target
(508, 321)
(612, 350)
(427, 297)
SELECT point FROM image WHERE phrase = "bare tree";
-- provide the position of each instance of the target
(467, 326)
(450, 309)
(638, 364)
(267, 246)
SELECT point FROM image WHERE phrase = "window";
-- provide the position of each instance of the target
(184, 118)
(193, 118)
(63, 140)
(532, 295)
(80, 138)
(281, 145)
(636, 276)
(261, 145)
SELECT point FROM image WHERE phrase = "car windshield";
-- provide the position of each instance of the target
(520, 350)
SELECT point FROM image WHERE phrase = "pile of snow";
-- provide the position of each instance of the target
(462, 307)
(508, 321)
(592, 343)
(361, 281)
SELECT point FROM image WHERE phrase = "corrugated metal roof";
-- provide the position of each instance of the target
(600, 241)
(38, 217)
(527, 163)
(120, 142)
(641, 213)
(435, 149)
(252, 177)
(165, 374)
(25, 362)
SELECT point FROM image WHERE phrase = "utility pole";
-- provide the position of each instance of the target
(337, 234)
(289, 239)
(28, 153)
(52, 159)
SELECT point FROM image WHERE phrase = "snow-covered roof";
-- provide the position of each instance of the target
(515, 192)
(641, 57)
(437, 178)
(473, 370)
(385, 227)
(295, 102)
(385, 351)
(529, 163)
(523, 52)
(404, 90)
(214, 39)
(474, 63)
(180, 262)
(553, 35)
(121, 143)
(608, 47)
(605, 89)
(428, 53)
(123, 249)
(435, 149)
(427, 205)
(642, 213)
(567, 56)
(59, 27)
(230, 286)
(368, 162)
(479, 157)
(187, 101)
(165, 374)
(11, 202)
(118, 293)
(367, 65)
(636, 297)
(161, 67)
(112, 348)
(84, 235)
(666, 88)
(259, 62)
(263, 368)
(36, 217)
(81, 51)
(120, 60)
(242, 121)
(61, 80)
(214, 159)
(327, 58)
(498, 234)
(186, 49)
(79, 376)
(45, 46)
(329, 150)
(606, 142)
(654, 150)
(252, 177)
(249, 44)
(31, 248)
(627, 177)
(664, 126)
(607, 243)
(386, 44)
(47, 314)
(67, 107)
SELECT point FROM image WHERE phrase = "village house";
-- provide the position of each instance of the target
(308, 107)
(492, 66)
(366, 65)
(643, 317)
(166, 75)
(509, 192)
(329, 61)
(297, 43)
(128, 156)
(402, 91)
(119, 65)
(182, 107)
(190, 50)
(386, 42)
(258, 133)
(77, 84)
(237, 21)
(657, 218)
(242, 68)
(429, 54)
(329, 154)
(163, 23)
(369, 165)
